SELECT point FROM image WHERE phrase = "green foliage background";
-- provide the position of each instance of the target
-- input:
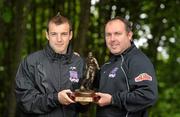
(156, 31)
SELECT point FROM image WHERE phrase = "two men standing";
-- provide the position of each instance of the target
(127, 86)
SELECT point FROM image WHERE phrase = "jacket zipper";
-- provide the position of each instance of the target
(127, 83)
(60, 86)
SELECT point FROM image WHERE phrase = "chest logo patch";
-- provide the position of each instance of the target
(73, 75)
(112, 74)
(143, 77)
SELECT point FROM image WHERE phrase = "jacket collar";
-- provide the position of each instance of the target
(55, 56)
(115, 57)
(129, 49)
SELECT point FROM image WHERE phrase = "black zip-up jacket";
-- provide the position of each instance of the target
(130, 79)
(41, 76)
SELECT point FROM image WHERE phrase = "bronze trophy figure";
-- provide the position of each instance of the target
(85, 95)
(91, 68)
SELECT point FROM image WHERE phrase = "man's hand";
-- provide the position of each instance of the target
(105, 99)
(64, 98)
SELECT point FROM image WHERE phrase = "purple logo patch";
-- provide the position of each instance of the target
(112, 74)
(73, 75)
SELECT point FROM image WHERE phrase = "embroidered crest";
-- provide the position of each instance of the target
(112, 74)
(142, 77)
(73, 75)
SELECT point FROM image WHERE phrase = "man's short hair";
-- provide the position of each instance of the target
(59, 19)
(125, 21)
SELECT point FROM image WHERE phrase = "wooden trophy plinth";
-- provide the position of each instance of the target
(84, 97)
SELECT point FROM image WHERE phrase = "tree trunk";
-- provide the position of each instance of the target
(80, 41)
(14, 38)
(34, 28)
(104, 15)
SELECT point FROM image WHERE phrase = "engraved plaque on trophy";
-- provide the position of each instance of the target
(85, 94)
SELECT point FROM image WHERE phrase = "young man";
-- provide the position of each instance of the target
(45, 77)
(128, 85)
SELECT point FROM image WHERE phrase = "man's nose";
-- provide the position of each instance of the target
(59, 37)
(112, 37)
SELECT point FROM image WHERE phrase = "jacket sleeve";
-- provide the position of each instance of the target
(142, 92)
(28, 97)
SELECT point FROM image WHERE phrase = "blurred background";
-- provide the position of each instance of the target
(156, 27)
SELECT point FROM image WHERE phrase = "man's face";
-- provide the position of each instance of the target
(116, 36)
(59, 37)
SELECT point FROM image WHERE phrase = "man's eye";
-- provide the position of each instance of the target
(64, 34)
(117, 33)
(53, 34)
(107, 35)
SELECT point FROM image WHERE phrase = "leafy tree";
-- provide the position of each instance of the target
(156, 31)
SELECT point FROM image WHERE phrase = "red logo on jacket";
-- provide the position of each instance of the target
(142, 77)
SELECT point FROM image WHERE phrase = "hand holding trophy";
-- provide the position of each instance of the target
(85, 95)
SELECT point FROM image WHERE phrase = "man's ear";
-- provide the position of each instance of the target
(71, 35)
(130, 34)
(47, 35)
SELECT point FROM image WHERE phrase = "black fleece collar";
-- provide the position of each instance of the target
(55, 56)
(115, 57)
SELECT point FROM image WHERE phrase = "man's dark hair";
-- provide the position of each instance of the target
(126, 22)
(59, 19)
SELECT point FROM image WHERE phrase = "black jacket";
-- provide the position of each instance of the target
(41, 76)
(130, 79)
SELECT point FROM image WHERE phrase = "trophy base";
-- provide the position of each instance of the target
(84, 97)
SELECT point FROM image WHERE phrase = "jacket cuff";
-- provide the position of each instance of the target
(116, 100)
(112, 101)
(55, 97)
